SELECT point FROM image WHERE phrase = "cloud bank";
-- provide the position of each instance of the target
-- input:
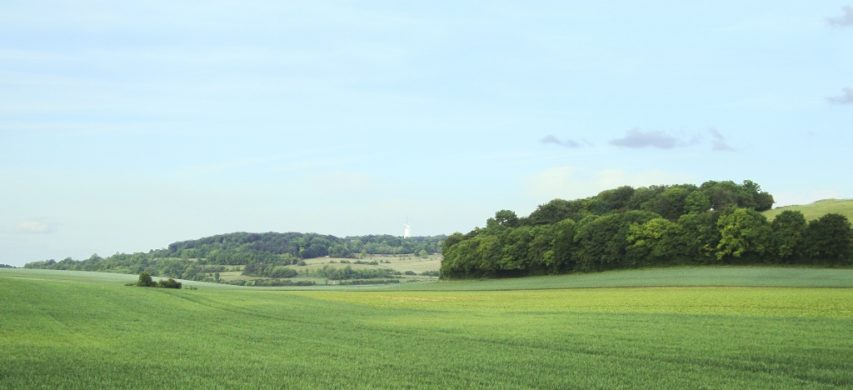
(33, 226)
(639, 139)
(845, 20)
(719, 143)
(568, 143)
(845, 98)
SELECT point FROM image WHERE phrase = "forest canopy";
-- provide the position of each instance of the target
(718, 222)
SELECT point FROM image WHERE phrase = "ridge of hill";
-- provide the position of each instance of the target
(817, 209)
(264, 255)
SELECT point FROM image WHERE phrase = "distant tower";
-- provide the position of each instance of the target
(407, 230)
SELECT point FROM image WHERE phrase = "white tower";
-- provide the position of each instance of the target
(407, 230)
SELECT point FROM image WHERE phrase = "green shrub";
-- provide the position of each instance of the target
(145, 280)
(169, 283)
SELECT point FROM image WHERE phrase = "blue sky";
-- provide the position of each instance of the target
(125, 126)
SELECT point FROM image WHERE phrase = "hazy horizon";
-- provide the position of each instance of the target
(125, 127)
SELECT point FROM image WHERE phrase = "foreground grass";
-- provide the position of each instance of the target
(70, 331)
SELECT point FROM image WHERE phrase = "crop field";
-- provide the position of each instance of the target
(410, 267)
(691, 327)
(400, 263)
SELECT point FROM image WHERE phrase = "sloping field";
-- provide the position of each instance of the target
(66, 330)
(688, 276)
(817, 209)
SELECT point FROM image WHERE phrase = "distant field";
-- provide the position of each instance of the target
(711, 276)
(400, 263)
(818, 209)
(86, 330)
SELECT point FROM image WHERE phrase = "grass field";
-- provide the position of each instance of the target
(85, 330)
(818, 209)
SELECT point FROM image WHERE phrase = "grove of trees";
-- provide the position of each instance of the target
(715, 223)
(261, 254)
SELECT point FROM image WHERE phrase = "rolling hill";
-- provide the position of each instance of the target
(64, 329)
(817, 209)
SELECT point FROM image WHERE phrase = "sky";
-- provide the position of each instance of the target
(125, 126)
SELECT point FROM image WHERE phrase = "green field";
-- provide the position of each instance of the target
(607, 330)
(818, 209)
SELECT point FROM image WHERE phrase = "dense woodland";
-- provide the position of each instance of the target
(715, 223)
(262, 254)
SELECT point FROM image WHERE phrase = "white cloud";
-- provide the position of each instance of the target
(566, 182)
(719, 143)
(845, 98)
(845, 20)
(33, 226)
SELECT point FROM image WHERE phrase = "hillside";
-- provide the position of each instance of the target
(817, 209)
(274, 259)
(87, 330)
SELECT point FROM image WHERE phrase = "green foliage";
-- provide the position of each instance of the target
(653, 242)
(276, 283)
(145, 280)
(744, 233)
(503, 218)
(829, 238)
(348, 272)
(563, 247)
(269, 270)
(169, 283)
(264, 254)
(602, 242)
(727, 194)
(787, 236)
(657, 225)
(697, 202)
(697, 237)
(556, 211)
(671, 203)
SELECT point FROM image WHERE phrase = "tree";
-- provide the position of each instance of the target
(671, 203)
(697, 237)
(829, 239)
(786, 238)
(697, 202)
(611, 200)
(514, 245)
(503, 218)
(653, 242)
(145, 280)
(744, 233)
(556, 211)
(601, 242)
(564, 236)
(169, 283)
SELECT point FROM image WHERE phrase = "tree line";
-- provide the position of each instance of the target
(714, 223)
(263, 254)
